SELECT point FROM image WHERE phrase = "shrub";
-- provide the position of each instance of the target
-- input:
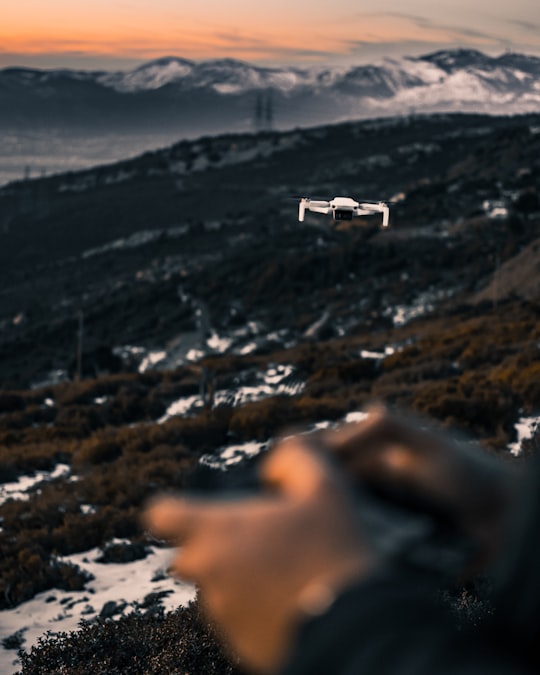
(34, 572)
(153, 643)
(78, 421)
(85, 391)
(99, 452)
(261, 419)
(122, 553)
(10, 401)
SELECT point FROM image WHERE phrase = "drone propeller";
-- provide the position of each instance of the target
(379, 201)
(318, 198)
(311, 199)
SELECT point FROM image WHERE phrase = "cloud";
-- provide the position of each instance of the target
(455, 33)
(265, 48)
(72, 54)
(68, 59)
(526, 25)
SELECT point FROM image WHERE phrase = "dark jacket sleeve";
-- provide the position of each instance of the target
(391, 625)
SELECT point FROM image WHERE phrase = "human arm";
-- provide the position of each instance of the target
(262, 564)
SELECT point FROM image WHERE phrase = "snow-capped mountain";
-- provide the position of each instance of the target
(229, 76)
(220, 95)
(225, 76)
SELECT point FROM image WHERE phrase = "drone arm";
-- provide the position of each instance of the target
(315, 205)
(386, 216)
(302, 210)
(318, 206)
(381, 207)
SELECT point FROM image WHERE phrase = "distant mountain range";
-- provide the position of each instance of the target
(190, 98)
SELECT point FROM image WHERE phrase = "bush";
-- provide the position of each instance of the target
(31, 571)
(140, 643)
(99, 452)
(119, 467)
(122, 553)
(10, 401)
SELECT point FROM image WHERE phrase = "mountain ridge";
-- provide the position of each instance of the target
(216, 96)
(447, 60)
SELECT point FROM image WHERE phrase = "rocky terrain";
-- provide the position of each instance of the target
(169, 311)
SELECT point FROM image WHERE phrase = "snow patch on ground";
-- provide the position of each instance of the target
(194, 354)
(137, 239)
(356, 416)
(247, 349)
(232, 454)
(128, 351)
(219, 344)
(423, 304)
(53, 377)
(525, 428)
(368, 354)
(277, 380)
(495, 208)
(20, 489)
(150, 360)
(180, 407)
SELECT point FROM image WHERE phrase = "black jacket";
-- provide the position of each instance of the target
(392, 625)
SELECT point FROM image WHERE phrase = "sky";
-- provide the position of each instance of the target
(121, 34)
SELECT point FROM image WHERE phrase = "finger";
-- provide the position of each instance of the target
(297, 468)
(370, 444)
(173, 518)
(177, 519)
(190, 565)
(350, 438)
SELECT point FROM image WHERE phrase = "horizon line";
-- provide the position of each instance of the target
(135, 63)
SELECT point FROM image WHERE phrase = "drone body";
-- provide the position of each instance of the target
(343, 208)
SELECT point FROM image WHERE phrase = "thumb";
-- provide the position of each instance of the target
(298, 468)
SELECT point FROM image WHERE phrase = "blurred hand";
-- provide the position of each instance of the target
(262, 563)
(265, 562)
(409, 462)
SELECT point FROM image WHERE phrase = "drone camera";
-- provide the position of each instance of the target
(343, 214)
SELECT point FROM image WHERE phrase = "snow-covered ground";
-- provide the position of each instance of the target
(125, 584)
(423, 304)
(137, 239)
(232, 454)
(369, 354)
(21, 488)
(277, 380)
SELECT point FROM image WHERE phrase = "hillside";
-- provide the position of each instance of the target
(210, 319)
(141, 246)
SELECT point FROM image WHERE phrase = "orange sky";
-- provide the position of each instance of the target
(109, 33)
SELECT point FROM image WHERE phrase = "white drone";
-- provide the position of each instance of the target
(343, 208)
